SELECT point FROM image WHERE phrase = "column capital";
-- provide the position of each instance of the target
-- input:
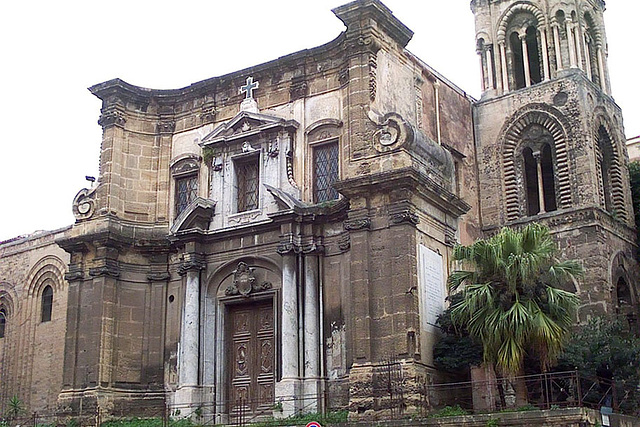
(191, 262)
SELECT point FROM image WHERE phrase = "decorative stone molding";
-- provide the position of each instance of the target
(357, 224)
(344, 244)
(244, 282)
(299, 88)
(272, 148)
(393, 132)
(76, 272)
(290, 176)
(287, 248)
(158, 276)
(373, 75)
(208, 114)
(110, 268)
(343, 77)
(192, 262)
(110, 118)
(166, 127)
(84, 204)
(404, 216)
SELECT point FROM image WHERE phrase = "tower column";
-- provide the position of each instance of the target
(503, 65)
(537, 156)
(578, 37)
(587, 57)
(545, 54)
(525, 59)
(603, 79)
(572, 44)
(483, 70)
(556, 42)
(488, 56)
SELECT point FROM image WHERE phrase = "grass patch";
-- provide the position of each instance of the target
(450, 411)
(324, 419)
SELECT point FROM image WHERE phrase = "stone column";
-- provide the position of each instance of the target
(188, 380)
(603, 79)
(288, 388)
(572, 44)
(578, 46)
(483, 70)
(488, 55)
(503, 65)
(556, 42)
(537, 157)
(525, 59)
(545, 54)
(311, 334)
(587, 58)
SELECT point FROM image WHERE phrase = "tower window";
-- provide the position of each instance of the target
(604, 144)
(518, 61)
(325, 172)
(3, 322)
(531, 182)
(538, 171)
(534, 55)
(186, 192)
(247, 181)
(47, 303)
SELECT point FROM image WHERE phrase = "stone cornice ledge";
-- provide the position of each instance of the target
(405, 178)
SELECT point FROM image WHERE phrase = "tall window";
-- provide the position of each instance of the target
(538, 171)
(3, 322)
(325, 172)
(247, 181)
(606, 155)
(186, 192)
(527, 68)
(47, 303)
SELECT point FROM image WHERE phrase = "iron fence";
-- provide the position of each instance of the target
(395, 395)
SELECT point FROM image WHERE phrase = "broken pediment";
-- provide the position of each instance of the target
(247, 124)
(196, 216)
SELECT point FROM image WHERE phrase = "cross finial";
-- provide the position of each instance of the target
(249, 88)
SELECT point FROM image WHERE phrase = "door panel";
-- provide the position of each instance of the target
(251, 359)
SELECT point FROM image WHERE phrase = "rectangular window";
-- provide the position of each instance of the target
(325, 172)
(247, 180)
(186, 192)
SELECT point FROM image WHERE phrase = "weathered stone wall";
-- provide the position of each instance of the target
(31, 351)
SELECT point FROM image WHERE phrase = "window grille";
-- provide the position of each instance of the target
(325, 172)
(3, 322)
(47, 304)
(186, 192)
(247, 178)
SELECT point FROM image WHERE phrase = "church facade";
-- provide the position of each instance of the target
(273, 239)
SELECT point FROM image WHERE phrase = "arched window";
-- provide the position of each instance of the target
(592, 42)
(605, 160)
(526, 65)
(531, 182)
(3, 322)
(47, 303)
(185, 172)
(538, 170)
(518, 60)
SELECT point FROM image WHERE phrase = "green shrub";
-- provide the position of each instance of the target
(450, 411)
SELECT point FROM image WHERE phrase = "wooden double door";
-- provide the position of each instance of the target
(250, 359)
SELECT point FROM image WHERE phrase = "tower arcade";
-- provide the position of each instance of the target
(551, 137)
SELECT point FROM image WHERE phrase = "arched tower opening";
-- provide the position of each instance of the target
(610, 174)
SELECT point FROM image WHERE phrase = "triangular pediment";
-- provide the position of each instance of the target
(246, 124)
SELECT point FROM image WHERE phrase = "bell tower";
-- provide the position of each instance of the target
(551, 138)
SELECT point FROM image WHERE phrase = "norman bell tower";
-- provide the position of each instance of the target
(550, 137)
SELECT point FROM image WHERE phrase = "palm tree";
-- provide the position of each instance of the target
(512, 298)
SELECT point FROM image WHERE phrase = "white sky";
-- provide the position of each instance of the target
(51, 51)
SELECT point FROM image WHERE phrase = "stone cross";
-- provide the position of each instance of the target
(249, 88)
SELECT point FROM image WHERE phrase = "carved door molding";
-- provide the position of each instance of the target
(250, 359)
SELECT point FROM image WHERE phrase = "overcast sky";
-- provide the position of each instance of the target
(51, 51)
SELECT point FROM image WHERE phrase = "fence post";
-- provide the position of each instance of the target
(578, 387)
(35, 419)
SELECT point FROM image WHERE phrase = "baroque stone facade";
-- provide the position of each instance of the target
(280, 236)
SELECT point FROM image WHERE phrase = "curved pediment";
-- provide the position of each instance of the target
(246, 124)
(196, 216)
